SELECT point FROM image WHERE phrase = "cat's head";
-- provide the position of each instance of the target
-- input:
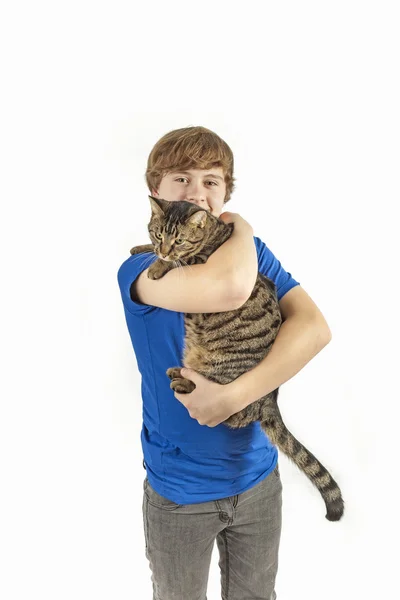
(182, 229)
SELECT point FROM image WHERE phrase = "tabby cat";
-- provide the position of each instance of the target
(222, 346)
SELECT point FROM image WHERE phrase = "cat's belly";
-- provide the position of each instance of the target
(223, 346)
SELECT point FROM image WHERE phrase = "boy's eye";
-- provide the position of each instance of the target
(184, 178)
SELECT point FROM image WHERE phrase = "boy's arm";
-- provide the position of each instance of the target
(238, 256)
(221, 284)
(302, 335)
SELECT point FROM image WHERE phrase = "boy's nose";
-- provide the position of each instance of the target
(196, 199)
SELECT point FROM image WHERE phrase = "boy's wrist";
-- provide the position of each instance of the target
(235, 396)
(243, 228)
(244, 267)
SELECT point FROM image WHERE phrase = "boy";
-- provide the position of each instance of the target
(204, 481)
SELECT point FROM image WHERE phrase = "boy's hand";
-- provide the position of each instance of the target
(209, 403)
(239, 222)
(229, 217)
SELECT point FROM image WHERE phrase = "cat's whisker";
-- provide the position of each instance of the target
(179, 266)
(185, 264)
(148, 260)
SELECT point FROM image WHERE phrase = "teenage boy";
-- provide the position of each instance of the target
(205, 481)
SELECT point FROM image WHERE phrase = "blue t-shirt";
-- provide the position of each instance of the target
(187, 462)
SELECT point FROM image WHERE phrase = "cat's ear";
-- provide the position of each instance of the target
(156, 207)
(198, 219)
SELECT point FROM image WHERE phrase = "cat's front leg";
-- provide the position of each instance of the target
(178, 383)
(159, 268)
(143, 248)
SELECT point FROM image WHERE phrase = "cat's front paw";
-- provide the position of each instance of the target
(142, 248)
(157, 269)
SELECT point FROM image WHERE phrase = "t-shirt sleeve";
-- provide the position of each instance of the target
(270, 266)
(128, 272)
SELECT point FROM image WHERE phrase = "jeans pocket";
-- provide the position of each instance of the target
(156, 499)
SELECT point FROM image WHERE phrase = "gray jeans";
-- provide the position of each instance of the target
(179, 540)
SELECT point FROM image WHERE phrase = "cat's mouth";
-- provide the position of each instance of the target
(166, 258)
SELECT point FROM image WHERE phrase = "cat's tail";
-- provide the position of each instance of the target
(281, 437)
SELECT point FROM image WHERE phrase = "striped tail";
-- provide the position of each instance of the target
(281, 437)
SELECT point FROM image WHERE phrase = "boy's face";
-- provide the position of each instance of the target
(204, 187)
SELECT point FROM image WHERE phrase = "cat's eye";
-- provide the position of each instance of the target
(158, 235)
(179, 241)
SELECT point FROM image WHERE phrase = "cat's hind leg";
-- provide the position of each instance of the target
(178, 383)
(174, 372)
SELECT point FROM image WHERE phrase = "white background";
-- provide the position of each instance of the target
(307, 96)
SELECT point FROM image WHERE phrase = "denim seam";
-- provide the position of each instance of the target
(225, 540)
(146, 523)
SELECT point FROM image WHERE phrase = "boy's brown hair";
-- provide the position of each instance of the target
(190, 148)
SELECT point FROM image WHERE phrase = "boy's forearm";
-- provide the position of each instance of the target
(237, 258)
(299, 339)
